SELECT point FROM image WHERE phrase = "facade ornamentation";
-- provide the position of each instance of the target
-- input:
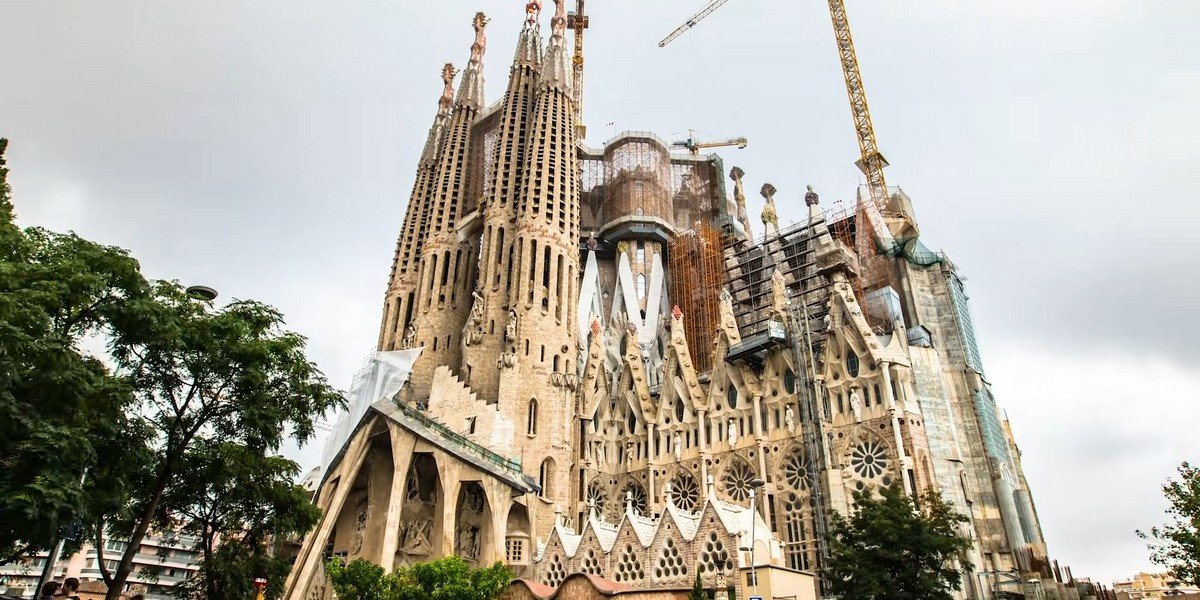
(638, 386)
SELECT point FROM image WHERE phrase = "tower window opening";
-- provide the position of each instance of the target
(531, 424)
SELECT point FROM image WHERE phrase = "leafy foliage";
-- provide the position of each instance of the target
(218, 388)
(447, 578)
(172, 408)
(1176, 545)
(890, 549)
(61, 409)
(244, 501)
(698, 592)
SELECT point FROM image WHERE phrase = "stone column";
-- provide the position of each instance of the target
(310, 552)
(450, 489)
(400, 465)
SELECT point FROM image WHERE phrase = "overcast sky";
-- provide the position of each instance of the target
(267, 149)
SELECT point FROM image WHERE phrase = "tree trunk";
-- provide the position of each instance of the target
(135, 541)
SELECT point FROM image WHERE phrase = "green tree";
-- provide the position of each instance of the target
(890, 548)
(203, 377)
(61, 409)
(447, 578)
(240, 504)
(697, 592)
(1176, 545)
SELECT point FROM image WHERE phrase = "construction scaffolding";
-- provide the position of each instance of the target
(750, 268)
(634, 176)
(696, 272)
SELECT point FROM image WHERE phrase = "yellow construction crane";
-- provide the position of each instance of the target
(578, 21)
(704, 12)
(870, 161)
(695, 146)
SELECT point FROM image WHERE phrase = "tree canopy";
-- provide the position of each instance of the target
(447, 578)
(889, 548)
(1176, 545)
(61, 408)
(128, 406)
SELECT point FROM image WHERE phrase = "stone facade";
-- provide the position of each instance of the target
(566, 415)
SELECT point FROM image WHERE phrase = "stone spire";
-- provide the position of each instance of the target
(770, 217)
(529, 44)
(556, 72)
(544, 292)
(443, 287)
(739, 197)
(470, 91)
(402, 283)
(498, 250)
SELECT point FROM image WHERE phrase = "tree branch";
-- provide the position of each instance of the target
(104, 574)
(17, 554)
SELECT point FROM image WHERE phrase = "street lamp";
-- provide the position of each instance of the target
(201, 292)
(754, 485)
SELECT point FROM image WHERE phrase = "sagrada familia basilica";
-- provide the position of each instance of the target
(590, 363)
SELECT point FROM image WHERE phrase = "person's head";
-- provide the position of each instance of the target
(49, 588)
(70, 585)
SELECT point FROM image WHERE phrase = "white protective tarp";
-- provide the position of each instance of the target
(382, 375)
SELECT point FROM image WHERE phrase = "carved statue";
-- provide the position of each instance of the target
(789, 419)
(629, 455)
(810, 197)
(510, 329)
(778, 293)
(770, 217)
(473, 330)
(678, 446)
(415, 537)
(533, 8)
(410, 336)
(856, 406)
(733, 432)
(467, 544)
(739, 197)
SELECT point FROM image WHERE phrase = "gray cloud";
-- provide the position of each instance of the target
(267, 149)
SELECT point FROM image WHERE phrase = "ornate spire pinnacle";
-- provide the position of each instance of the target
(812, 200)
(529, 45)
(429, 153)
(739, 198)
(448, 73)
(770, 217)
(558, 24)
(555, 74)
(470, 91)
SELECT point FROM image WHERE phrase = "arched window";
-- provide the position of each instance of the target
(731, 396)
(789, 381)
(531, 427)
(852, 364)
(641, 287)
(546, 478)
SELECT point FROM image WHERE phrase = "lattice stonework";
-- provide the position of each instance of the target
(670, 563)
(555, 572)
(591, 563)
(715, 558)
(629, 568)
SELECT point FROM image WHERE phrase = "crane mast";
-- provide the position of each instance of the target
(579, 22)
(870, 161)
